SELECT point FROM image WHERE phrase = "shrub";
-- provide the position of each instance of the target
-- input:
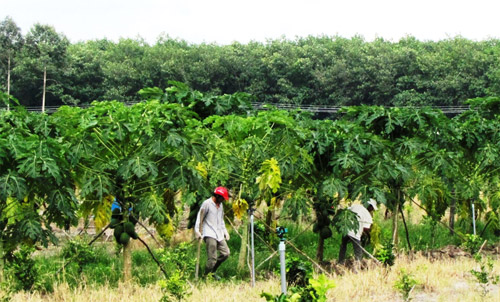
(25, 272)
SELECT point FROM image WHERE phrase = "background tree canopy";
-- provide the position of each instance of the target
(309, 70)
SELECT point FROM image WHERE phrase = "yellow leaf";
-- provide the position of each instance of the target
(200, 167)
(165, 230)
(240, 207)
(102, 214)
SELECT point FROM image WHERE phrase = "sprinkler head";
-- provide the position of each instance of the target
(281, 231)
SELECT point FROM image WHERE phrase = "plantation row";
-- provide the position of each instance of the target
(310, 70)
(55, 169)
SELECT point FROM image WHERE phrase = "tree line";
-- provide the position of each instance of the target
(44, 66)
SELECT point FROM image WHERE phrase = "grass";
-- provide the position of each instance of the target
(438, 280)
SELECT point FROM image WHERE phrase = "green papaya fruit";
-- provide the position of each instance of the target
(129, 227)
(124, 238)
(118, 231)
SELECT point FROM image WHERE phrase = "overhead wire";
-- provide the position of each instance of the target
(268, 106)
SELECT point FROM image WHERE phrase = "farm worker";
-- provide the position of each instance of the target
(211, 228)
(365, 221)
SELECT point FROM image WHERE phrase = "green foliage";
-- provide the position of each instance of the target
(280, 298)
(319, 287)
(485, 276)
(298, 272)
(7, 100)
(25, 271)
(405, 284)
(180, 265)
(36, 188)
(175, 288)
(79, 252)
(345, 220)
(307, 70)
(386, 254)
(314, 291)
(472, 243)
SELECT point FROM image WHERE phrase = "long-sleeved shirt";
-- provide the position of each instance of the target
(364, 218)
(213, 220)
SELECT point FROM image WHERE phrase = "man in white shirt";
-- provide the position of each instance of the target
(211, 228)
(365, 221)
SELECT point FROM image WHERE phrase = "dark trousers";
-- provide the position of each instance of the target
(213, 261)
(356, 244)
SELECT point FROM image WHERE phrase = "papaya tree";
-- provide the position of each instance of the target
(394, 170)
(477, 175)
(36, 187)
(247, 151)
(341, 151)
(256, 155)
(133, 154)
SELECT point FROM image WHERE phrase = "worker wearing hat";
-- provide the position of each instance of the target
(365, 221)
(211, 228)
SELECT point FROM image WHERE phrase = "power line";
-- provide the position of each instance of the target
(283, 106)
(335, 109)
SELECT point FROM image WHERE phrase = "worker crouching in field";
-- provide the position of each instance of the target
(211, 228)
(365, 221)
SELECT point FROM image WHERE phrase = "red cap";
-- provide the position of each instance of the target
(222, 192)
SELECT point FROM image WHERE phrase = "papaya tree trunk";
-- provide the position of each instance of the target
(395, 224)
(243, 248)
(406, 228)
(127, 262)
(453, 206)
(320, 249)
(269, 220)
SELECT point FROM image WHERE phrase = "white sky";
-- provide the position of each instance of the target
(226, 21)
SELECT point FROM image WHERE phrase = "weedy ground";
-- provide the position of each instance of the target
(442, 272)
(437, 280)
